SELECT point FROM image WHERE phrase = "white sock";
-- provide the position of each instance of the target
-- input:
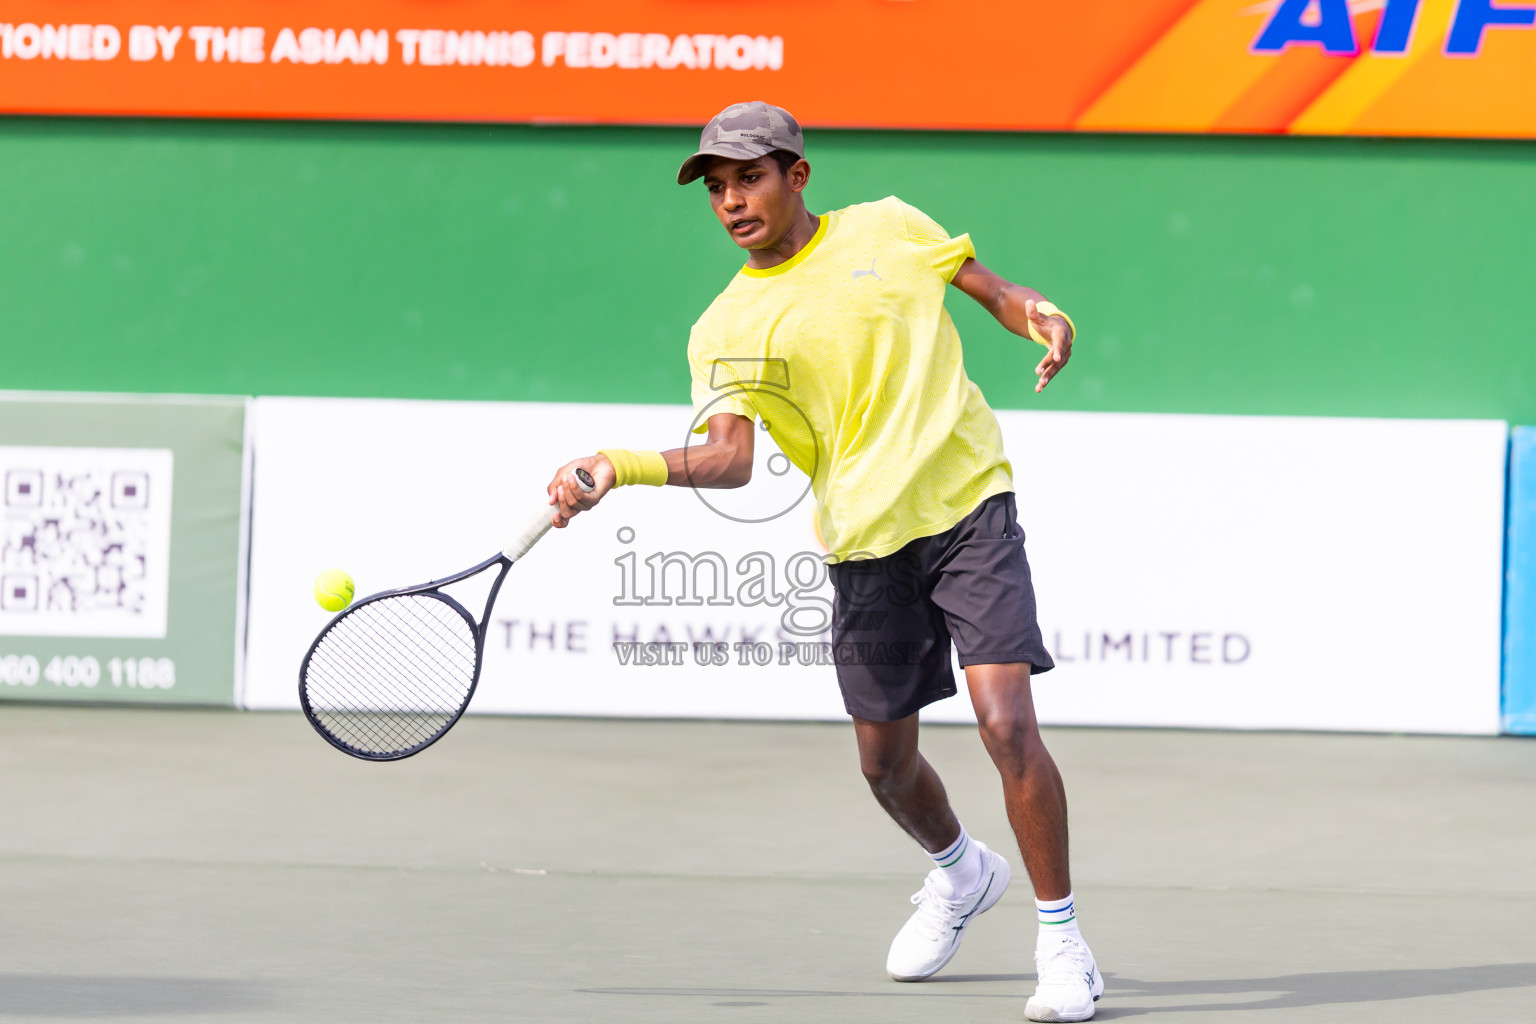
(1058, 920)
(959, 867)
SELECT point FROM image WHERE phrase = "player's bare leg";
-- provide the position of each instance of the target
(911, 792)
(968, 878)
(1037, 809)
(904, 783)
(1032, 791)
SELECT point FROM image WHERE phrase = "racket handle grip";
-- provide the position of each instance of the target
(539, 525)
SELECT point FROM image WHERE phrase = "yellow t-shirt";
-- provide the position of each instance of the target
(847, 353)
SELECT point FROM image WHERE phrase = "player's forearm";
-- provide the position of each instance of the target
(1006, 301)
(712, 464)
(1009, 308)
(723, 460)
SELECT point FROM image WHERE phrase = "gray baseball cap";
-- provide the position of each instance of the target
(743, 131)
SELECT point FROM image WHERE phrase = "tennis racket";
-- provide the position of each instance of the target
(386, 678)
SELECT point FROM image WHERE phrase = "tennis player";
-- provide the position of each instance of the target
(915, 504)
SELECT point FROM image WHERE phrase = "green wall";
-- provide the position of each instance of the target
(1233, 275)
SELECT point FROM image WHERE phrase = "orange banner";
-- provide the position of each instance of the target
(1373, 67)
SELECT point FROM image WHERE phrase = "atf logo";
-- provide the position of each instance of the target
(1327, 23)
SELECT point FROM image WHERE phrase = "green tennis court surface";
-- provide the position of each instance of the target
(190, 866)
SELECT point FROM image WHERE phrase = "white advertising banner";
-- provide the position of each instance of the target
(1193, 571)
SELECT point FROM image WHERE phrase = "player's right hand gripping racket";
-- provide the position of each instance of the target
(390, 675)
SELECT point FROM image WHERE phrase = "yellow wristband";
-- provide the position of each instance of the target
(1049, 309)
(636, 467)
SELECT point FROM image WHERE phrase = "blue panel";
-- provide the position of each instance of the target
(1520, 586)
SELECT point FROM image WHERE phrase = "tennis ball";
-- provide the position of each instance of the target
(334, 590)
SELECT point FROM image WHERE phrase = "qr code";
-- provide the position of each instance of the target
(85, 548)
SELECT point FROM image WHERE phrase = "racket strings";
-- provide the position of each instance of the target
(393, 674)
(385, 720)
(390, 691)
(422, 667)
(401, 670)
(381, 700)
(385, 673)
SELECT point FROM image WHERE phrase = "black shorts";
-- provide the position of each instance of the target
(893, 618)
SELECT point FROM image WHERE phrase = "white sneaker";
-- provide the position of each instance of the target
(1069, 983)
(932, 935)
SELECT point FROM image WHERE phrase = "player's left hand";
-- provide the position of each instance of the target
(568, 497)
(1058, 352)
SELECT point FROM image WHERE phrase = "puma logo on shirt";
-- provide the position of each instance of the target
(868, 273)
